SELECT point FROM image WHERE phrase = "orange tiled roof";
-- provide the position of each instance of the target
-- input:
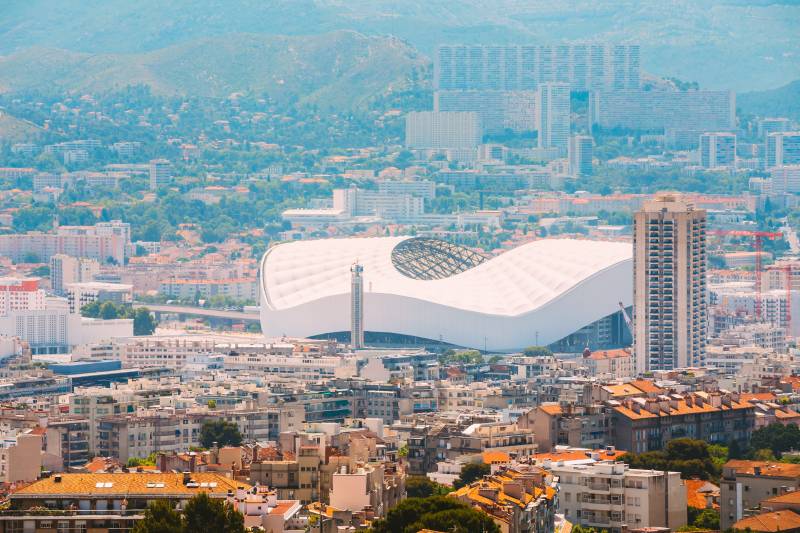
(551, 409)
(776, 521)
(126, 484)
(792, 498)
(767, 468)
(609, 354)
(696, 490)
(647, 386)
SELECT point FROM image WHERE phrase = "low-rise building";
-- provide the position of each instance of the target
(745, 484)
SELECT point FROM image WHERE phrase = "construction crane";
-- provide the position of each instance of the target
(626, 318)
(758, 238)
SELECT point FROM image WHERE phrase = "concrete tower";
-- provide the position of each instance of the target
(357, 306)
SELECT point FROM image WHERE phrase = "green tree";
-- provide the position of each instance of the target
(222, 432)
(533, 351)
(109, 311)
(422, 487)
(776, 437)
(143, 321)
(471, 472)
(440, 513)
(211, 515)
(707, 519)
(159, 517)
(690, 457)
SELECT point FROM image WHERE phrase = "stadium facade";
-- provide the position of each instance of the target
(560, 292)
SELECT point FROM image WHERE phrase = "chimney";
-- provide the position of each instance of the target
(187, 476)
(57, 478)
(757, 470)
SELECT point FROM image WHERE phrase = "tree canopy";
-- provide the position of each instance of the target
(143, 321)
(777, 438)
(471, 472)
(690, 457)
(222, 432)
(439, 513)
(422, 487)
(201, 514)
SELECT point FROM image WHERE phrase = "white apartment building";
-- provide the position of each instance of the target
(105, 241)
(785, 179)
(160, 173)
(616, 498)
(80, 294)
(783, 148)
(65, 269)
(20, 294)
(730, 359)
(718, 150)
(299, 366)
(553, 116)
(243, 289)
(584, 66)
(442, 130)
(422, 188)
(358, 202)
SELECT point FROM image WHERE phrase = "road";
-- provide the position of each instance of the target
(200, 311)
(791, 237)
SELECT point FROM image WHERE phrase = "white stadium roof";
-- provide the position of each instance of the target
(542, 290)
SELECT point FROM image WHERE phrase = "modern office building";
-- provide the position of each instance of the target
(160, 173)
(552, 116)
(426, 290)
(523, 68)
(65, 269)
(80, 294)
(783, 148)
(580, 155)
(442, 130)
(669, 274)
(718, 150)
(357, 306)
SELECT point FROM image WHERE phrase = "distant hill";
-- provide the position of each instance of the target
(13, 129)
(738, 44)
(781, 102)
(342, 69)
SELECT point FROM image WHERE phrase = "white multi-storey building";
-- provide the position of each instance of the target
(783, 148)
(580, 155)
(617, 498)
(553, 116)
(65, 270)
(718, 150)
(443, 130)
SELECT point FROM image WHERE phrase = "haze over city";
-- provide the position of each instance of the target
(342, 265)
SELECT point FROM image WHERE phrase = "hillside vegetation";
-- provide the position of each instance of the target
(341, 70)
(781, 102)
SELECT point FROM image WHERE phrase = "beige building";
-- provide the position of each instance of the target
(609, 364)
(616, 498)
(366, 486)
(745, 484)
(21, 456)
(669, 291)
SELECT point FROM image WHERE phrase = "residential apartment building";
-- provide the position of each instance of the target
(160, 174)
(354, 202)
(783, 148)
(785, 179)
(669, 271)
(580, 155)
(691, 112)
(553, 116)
(617, 498)
(83, 293)
(519, 499)
(242, 289)
(646, 424)
(497, 110)
(718, 150)
(65, 270)
(584, 66)
(609, 364)
(103, 242)
(745, 484)
(443, 130)
(20, 455)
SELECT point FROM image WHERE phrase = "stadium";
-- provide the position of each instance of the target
(565, 293)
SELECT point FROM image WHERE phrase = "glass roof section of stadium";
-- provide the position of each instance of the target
(424, 258)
